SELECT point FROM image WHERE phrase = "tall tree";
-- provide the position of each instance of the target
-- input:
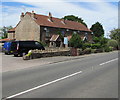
(115, 34)
(74, 18)
(97, 29)
(4, 30)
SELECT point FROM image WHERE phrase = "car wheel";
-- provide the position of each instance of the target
(15, 55)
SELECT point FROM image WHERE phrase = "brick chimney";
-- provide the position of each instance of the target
(22, 15)
(50, 16)
(33, 14)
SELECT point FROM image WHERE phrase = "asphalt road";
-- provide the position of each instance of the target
(94, 76)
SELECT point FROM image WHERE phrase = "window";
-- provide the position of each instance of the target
(75, 32)
(37, 43)
(46, 32)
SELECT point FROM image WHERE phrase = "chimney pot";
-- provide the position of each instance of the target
(22, 15)
(32, 11)
(33, 14)
(50, 16)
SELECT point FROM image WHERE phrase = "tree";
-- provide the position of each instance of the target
(103, 41)
(74, 18)
(4, 30)
(97, 29)
(115, 34)
(113, 43)
(75, 41)
(100, 41)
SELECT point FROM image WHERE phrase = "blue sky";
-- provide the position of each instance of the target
(98, 11)
(16, 4)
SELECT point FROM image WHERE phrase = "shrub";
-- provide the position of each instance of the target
(112, 43)
(93, 50)
(43, 43)
(75, 41)
(108, 49)
(96, 46)
(96, 39)
(87, 51)
(86, 45)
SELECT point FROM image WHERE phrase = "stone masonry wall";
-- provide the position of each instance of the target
(27, 29)
(11, 35)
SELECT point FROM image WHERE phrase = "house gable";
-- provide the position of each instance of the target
(27, 29)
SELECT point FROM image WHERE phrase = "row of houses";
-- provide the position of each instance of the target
(43, 28)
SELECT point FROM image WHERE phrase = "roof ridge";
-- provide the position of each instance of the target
(57, 22)
(56, 18)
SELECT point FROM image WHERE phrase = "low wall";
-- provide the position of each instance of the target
(50, 54)
(46, 53)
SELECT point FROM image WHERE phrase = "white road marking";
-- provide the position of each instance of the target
(109, 61)
(43, 85)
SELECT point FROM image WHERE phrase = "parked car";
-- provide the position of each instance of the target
(7, 48)
(19, 48)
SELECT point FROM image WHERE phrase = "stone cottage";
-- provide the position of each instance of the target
(43, 28)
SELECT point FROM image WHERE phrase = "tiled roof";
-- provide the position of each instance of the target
(6, 39)
(11, 30)
(59, 23)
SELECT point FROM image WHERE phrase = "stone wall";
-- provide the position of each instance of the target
(47, 53)
(50, 54)
(54, 30)
(27, 29)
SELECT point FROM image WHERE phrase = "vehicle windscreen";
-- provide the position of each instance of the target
(14, 46)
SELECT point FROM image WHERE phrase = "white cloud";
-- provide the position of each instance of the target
(103, 12)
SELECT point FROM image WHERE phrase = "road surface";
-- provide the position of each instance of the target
(95, 76)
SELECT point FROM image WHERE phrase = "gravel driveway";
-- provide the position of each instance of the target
(10, 63)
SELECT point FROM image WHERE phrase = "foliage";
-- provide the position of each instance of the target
(93, 50)
(75, 41)
(100, 40)
(103, 41)
(113, 43)
(97, 29)
(108, 49)
(4, 31)
(87, 51)
(96, 46)
(96, 39)
(115, 34)
(43, 43)
(61, 35)
(75, 18)
(86, 45)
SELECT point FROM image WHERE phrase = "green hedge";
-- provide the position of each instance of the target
(108, 49)
(96, 46)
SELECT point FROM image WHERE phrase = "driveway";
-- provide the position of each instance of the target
(11, 63)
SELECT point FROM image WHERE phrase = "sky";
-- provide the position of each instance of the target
(91, 11)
